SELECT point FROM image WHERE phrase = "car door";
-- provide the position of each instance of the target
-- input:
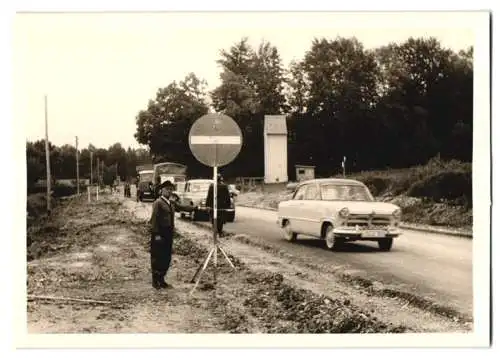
(295, 212)
(185, 194)
(312, 210)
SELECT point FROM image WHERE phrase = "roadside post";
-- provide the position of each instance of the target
(215, 140)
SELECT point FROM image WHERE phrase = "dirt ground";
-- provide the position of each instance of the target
(99, 251)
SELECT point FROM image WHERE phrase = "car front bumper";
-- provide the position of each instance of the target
(207, 209)
(359, 233)
(147, 194)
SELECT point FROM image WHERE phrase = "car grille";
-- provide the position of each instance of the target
(369, 220)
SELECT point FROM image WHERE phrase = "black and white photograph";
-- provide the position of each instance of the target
(303, 176)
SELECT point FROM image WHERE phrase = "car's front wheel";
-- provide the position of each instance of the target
(230, 216)
(288, 233)
(332, 242)
(385, 244)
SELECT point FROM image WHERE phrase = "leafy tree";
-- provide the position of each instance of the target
(252, 86)
(164, 126)
(426, 91)
(333, 89)
(35, 171)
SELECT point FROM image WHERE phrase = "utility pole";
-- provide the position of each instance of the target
(77, 169)
(91, 169)
(98, 172)
(47, 157)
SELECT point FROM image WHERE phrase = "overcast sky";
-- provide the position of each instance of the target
(99, 70)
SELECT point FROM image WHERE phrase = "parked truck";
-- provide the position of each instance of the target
(145, 182)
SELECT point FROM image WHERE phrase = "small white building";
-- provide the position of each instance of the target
(275, 149)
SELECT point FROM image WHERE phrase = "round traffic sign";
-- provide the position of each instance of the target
(215, 139)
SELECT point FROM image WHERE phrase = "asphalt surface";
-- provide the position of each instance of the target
(435, 266)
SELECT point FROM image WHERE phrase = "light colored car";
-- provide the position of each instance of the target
(195, 194)
(338, 211)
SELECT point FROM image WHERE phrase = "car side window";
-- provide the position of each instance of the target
(312, 192)
(300, 193)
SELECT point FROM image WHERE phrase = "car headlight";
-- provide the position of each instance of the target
(397, 214)
(344, 213)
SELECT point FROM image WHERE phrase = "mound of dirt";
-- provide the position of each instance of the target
(302, 311)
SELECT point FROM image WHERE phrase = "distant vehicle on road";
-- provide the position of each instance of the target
(175, 172)
(145, 188)
(338, 211)
(195, 194)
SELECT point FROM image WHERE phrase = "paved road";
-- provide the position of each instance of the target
(432, 265)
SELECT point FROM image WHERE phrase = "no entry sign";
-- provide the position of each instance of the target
(215, 139)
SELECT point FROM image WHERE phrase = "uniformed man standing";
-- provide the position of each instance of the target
(162, 234)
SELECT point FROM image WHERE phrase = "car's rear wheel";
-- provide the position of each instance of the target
(385, 244)
(288, 233)
(196, 215)
(332, 242)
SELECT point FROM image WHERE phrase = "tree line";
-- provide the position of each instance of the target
(395, 106)
(115, 161)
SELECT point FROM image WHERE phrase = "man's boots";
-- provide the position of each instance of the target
(156, 282)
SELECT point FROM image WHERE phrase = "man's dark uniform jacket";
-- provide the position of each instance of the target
(223, 197)
(162, 218)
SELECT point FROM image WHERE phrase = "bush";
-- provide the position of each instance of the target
(36, 204)
(444, 186)
(60, 190)
(438, 179)
(378, 185)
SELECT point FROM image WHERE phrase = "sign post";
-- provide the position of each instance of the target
(77, 169)
(215, 140)
(343, 165)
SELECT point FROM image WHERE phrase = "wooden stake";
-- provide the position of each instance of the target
(52, 298)
(91, 169)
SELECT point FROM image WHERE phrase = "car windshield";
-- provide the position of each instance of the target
(334, 192)
(199, 187)
(146, 177)
(170, 168)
